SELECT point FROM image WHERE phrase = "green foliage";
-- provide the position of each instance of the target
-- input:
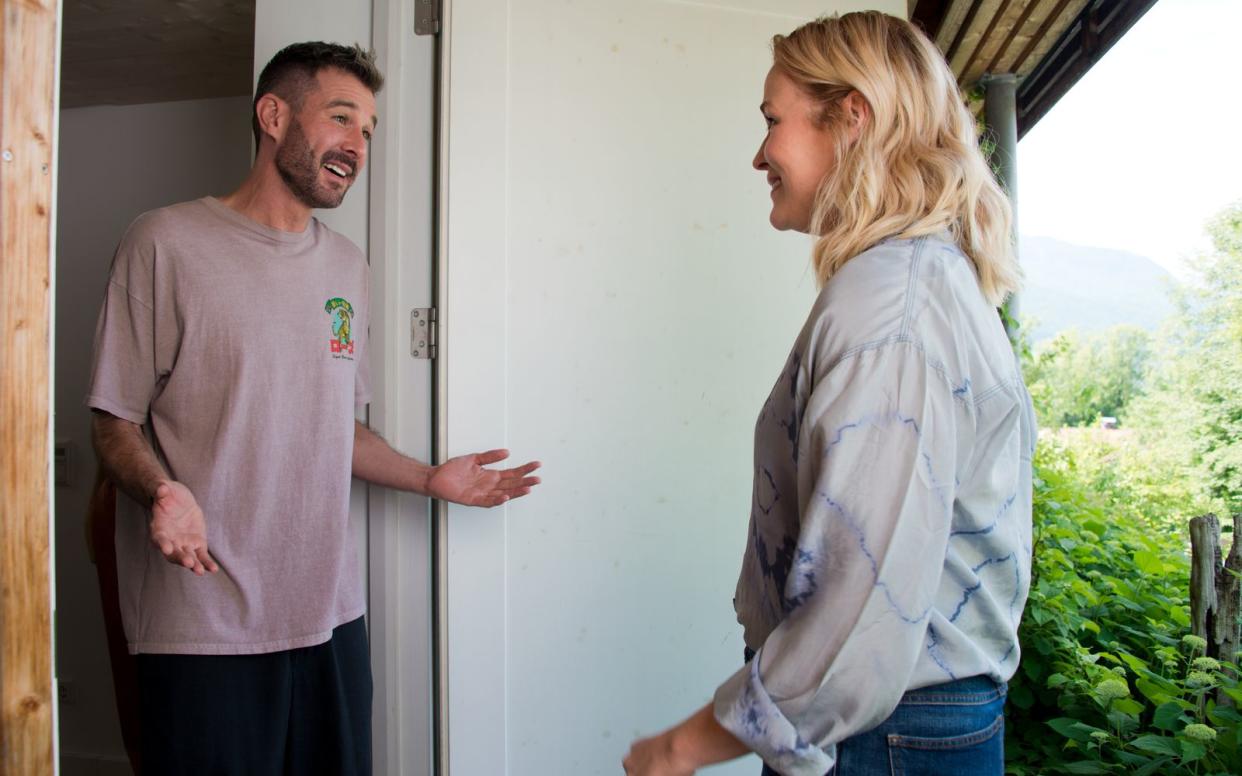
(1110, 679)
(1107, 669)
(1075, 379)
(1193, 407)
(1146, 485)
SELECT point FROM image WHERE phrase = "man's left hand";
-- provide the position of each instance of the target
(464, 480)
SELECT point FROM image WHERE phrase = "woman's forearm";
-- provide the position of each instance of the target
(701, 740)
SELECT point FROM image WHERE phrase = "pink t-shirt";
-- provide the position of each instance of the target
(241, 350)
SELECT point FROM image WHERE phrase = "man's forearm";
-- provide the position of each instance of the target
(127, 457)
(376, 462)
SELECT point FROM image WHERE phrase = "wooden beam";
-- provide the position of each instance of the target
(1013, 33)
(27, 102)
(951, 52)
(985, 38)
(1038, 37)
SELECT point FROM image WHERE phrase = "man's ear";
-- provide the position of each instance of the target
(274, 116)
(857, 112)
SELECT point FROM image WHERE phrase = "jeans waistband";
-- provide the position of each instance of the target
(972, 690)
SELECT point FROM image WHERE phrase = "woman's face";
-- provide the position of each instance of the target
(796, 153)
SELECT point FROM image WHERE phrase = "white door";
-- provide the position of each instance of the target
(615, 304)
(390, 215)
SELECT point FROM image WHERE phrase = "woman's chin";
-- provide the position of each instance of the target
(783, 223)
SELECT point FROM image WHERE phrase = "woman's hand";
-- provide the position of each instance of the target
(697, 742)
(654, 757)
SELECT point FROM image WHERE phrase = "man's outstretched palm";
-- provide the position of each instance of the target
(178, 528)
(463, 480)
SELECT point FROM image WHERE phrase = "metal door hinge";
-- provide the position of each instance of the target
(423, 332)
(426, 17)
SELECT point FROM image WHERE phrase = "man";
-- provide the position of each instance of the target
(230, 356)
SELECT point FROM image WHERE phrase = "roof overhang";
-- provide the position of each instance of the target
(128, 51)
(1048, 44)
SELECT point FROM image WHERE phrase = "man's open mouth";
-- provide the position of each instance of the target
(339, 170)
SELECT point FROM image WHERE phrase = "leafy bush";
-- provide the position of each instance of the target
(1139, 481)
(1108, 682)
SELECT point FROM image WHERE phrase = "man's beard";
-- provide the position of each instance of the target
(298, 168)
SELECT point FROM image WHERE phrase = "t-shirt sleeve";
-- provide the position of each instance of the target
(877, 459)
(125, 372)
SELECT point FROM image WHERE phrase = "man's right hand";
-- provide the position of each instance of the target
(178, 528)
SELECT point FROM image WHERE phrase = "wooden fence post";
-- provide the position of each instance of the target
(27, 100)
(1215, 591)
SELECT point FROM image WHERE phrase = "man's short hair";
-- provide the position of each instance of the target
(291, 73)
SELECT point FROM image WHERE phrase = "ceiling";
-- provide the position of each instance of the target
(120, 52)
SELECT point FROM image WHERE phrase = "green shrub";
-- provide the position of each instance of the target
(1108, 682)
(1138, 481)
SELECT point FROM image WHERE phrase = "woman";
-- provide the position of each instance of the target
(890, 538)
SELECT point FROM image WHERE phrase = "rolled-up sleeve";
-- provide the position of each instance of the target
(878, 449)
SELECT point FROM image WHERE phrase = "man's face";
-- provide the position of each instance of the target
(325, 146)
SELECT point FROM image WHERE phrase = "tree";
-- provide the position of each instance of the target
(1194, 406)
(1075, 379)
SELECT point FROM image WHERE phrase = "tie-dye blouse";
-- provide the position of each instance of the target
(890, 530)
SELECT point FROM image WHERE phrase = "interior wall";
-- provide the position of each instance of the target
(115, 163)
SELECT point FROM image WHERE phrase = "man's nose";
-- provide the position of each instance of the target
(356, 146)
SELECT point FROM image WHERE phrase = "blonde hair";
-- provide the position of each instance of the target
(915, 167)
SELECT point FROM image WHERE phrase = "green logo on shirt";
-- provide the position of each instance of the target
(342, 342)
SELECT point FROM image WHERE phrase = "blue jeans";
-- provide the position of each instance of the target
(951, 729)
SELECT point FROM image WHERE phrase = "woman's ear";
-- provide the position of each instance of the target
(273, 115)
(857, 113)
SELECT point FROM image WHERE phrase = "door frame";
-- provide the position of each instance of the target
(401, 235)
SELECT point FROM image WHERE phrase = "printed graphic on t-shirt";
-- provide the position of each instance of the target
(341, 313)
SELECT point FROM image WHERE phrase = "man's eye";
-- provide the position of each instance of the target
(367, 135)
(768, 121)
(340, 119)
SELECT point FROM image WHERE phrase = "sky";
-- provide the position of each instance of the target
(1147, 146)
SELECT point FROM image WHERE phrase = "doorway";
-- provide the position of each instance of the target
(155, 109)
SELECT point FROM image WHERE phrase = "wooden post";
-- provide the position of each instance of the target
(27, 105)
(1229, 601)
(1215, 591)
(1204, 560)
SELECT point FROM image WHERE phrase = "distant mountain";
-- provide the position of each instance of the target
(1091, 288)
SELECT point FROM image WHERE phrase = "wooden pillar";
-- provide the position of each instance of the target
(27, 97)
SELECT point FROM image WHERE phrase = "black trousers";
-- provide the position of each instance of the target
(302, 712)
